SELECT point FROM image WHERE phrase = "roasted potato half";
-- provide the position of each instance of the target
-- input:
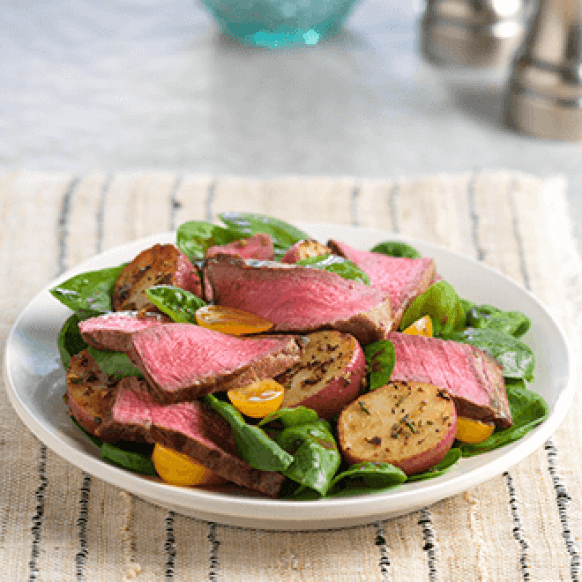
(158, 265)
(88, 391)
(328, 376)
(305, 249)
(408, 424)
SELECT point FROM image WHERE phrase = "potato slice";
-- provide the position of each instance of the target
(328, 376)
(158, 265)
(408, 424)
(88, 391)
(305, 249)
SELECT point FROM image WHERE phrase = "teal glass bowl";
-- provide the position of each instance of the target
(280, 23)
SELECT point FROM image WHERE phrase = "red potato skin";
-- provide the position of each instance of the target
(423, 462)
(343, 389)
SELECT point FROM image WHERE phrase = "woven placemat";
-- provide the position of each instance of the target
(58, 523)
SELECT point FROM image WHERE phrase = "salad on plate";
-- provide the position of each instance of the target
(250, 353)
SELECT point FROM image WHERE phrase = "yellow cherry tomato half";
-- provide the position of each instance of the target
(257, 399)
(179, 469)
(473, 431)
(231, 321)
(422, 326)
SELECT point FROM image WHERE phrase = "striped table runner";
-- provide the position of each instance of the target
(58, 523)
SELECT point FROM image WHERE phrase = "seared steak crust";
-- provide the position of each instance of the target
(191, 428)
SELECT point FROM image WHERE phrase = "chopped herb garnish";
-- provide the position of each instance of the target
(363, 407)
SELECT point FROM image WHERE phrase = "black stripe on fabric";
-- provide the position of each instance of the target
(213, 558)
(170, 546)
(474, 218)
(518, 533)
(430, 545)
(210, 199)
(380, 542)
(175, 204)
(519, 240)
(37, 519)
(64, 225)
(354, 205)
(563, 501)
(394, 197)
(100, 218)
(562, 495)
(82, 554)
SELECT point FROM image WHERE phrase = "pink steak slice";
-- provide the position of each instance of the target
(191, 428)
(403, 279)
(182, 361)
(259, 246)
(299, 299)
(113, 331)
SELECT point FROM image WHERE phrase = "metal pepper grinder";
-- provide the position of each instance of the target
(544, 96)
(473, 33)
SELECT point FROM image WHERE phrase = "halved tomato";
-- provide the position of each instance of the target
(231, 321)
(257, 399)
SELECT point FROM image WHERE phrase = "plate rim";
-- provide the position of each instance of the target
(372, 505)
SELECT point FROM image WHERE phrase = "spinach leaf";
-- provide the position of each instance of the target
(283, 234)
(128, 457)
(316, 457)
(338, 265)
(441, 302)
(179, 304)
(450, 459)
(466, 306)
(375, 475)
(386, 477)
(516, 358)
(380, 361)
(114, 363)
(291, 416)
(195, 237)
(528, 409)
(253, 445)
(88, 294)
(135, 457)
(488, 317)
(396, 249)
(70, 341)
(478, 315)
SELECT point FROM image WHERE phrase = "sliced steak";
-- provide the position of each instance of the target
(259, 246)
(299, 299)
(158, 265)
(471, 376)
(403, 279)
(112, 331)
(191, 428)
(182, 361)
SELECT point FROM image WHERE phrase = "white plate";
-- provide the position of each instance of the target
(36, 383)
